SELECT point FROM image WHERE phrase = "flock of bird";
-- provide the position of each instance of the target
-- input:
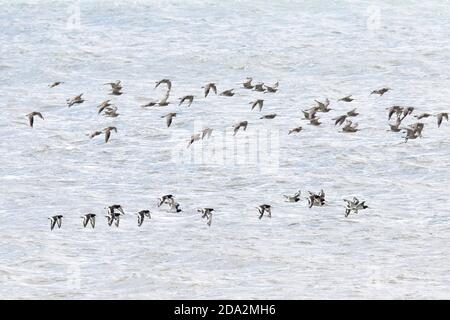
(116, 211)
(345, 121)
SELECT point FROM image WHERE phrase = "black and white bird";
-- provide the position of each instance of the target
(89, 218)
(114, 208)
(114, 218)
(316, 199)
(294, 198)
(55, 220)
(354, 206)
(206, 213)
(263, 209)
(174, 207)
(440, 116)
(166, 199)
(141, 216)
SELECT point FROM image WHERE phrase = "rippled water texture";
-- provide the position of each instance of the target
(398, 248)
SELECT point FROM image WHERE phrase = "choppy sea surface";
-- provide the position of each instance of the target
(398, 248)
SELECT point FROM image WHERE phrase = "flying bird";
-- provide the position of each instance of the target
(208, 87)
(227, 93)
(258, 102)
(55, 220)
(189, 99)
(108, 133)
(75, 100)
(141, 216)
(237, 126)
(263, 209)
(380, 91)
(169, 118)
(89, 218)
(165, 81)
(54, 84)
(32, 115)
(347, 99)
(295, 130)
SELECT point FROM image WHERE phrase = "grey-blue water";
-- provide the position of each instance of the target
(398, 248)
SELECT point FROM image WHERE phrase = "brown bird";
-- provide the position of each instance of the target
(169, 117)
(206, 133)
(54, 84)
(310, 114)
(273, 88)
(208, 87)
(315, 122)
(162, 103)
(32, 115)
(103, 106)
(75, 100)
(395, 109)
(259, 87)
(395, 127)
(347, 98)
(114, 85)
(323, 106)
(194, 137)
(410, 134)
(423, 115)
(417, 127)
(407, 111)
(248, 83)
(94, 134)
(165, 81)
(441, 116)
(352, 113)
(295, 130)
(227, 93)
(340, 120)
(350, 127)
(269, 116)
(380, 91)
(111, 112)
(258, 102)
(189, 99)
(116, 92)
(237, 126)
(108, 132)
